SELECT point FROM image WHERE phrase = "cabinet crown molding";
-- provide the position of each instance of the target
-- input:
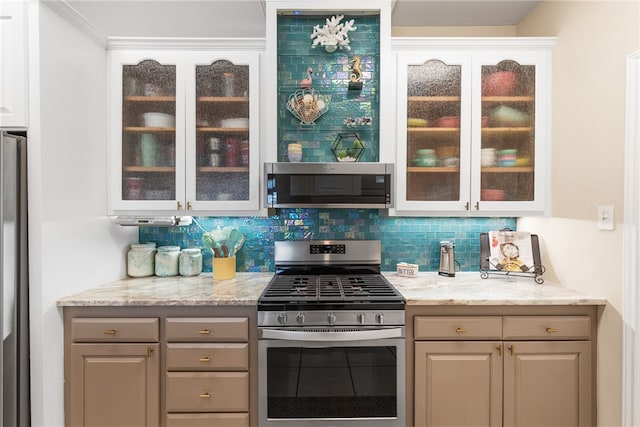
(205, 43)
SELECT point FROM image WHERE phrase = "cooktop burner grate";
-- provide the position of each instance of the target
(329, 288)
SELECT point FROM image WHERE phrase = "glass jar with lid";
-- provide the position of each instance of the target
(141, 259)
(190, 263)
(167, 259)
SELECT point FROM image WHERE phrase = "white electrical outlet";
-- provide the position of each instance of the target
(606, 218)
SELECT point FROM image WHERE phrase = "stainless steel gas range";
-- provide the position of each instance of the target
(331, 338)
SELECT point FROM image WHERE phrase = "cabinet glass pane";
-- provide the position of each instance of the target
(507, 156)
(433, 132)
(148, 131)
(222, 137)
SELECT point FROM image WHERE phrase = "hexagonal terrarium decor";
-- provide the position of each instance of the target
(347, 147)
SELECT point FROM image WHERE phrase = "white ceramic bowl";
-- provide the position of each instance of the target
(238, 122)
(158, 120)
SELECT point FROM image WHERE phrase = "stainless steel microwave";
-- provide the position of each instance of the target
(329, 185)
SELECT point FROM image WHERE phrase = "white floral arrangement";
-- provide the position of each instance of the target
(333, 34)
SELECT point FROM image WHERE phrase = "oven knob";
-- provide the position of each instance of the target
(331, 318)
(300, 318)
(361, 318)
(282, 318)
(380, 318)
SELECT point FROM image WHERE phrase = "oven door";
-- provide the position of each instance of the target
(332, 377)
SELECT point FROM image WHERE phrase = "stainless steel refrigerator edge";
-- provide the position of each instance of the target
(14, 298)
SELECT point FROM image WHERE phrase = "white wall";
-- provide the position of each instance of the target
(73, 246)
(588, 116)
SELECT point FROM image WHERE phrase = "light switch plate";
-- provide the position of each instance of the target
(606, 217)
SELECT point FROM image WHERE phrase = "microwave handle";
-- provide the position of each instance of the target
(311, 335)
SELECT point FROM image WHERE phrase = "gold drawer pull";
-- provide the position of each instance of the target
(205, 359)
(499, 348)
(205, 395)
(110, 331)
(460, 330)
(551, 330)
(512, 350)
(204, 332)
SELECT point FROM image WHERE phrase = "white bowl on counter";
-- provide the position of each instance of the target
(158, 120)
(236, 122)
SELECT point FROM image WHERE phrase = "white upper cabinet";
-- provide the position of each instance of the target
(473, 126)
(184, 132)
(13, 66)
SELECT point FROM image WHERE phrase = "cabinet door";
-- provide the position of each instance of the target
(509, 128)
(146, 131)
(458, 384)
(547, 384)
(433, 131)
(114, 385)
(222, 137)
(13, 75)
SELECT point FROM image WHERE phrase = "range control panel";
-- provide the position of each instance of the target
(327, 249)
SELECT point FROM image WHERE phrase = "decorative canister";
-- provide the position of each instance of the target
(190, 262)
(140, 259)
(167, 260)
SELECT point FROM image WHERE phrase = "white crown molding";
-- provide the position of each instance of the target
(187, 43)
(65, 10)
(467, 43)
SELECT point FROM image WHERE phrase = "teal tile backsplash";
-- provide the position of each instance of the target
(331, 76)
(408, 239)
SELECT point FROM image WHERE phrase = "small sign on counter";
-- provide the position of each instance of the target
(406, 270)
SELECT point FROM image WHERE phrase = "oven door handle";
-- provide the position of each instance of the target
(364, 335)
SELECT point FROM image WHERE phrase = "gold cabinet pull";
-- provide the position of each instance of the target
(512, 350)
(110, 331)
(477, 206)
(499, 348)
(205, 359)
(466, 206)
(188, 206)
(551, 330)
(460, 330)
(205, 395)
(149, 352)
(178, 205)
(204, 332)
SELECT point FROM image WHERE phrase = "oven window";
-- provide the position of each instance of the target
(335, 382)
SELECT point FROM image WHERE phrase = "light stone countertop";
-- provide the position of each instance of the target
(468, 288)
(428, 288)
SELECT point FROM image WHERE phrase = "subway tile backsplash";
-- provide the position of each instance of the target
(412, 240)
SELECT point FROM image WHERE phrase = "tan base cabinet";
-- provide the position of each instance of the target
(172, 370)
(459, 384)
(512, 371)
(209, 373)
(114, 383)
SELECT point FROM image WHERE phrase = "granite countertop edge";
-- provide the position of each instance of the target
(428, 288)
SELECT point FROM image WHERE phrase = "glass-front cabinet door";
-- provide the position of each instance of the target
(434, 123)
(222, 118)
(472, 131)
(146, 122)
(509, 144)
(184, 132)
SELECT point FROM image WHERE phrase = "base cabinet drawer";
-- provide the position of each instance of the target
(207, 329)
(207, 392)
(208, 420)
(547, 328)
(207, 357)
(458, 328)
(103, 329)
